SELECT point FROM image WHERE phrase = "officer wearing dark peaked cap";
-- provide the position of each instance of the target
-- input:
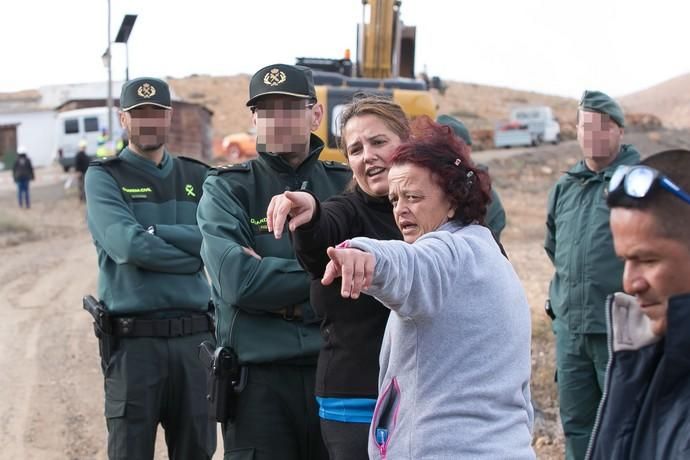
(154, 295)
(260, 290)
(145, 91)
(288, 80)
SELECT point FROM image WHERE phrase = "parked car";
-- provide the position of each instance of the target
(528, 126)
(238, 147)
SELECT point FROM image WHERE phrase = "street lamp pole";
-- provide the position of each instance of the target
(123, 37)
(110, 81)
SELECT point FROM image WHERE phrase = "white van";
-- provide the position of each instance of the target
(541, 121)
(528, 126)
(73, 126)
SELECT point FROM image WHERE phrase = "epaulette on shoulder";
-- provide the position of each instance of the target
(239, 167)
(330, 164)
(105, 161)
(193, 160)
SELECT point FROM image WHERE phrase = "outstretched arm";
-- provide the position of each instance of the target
(412, 279)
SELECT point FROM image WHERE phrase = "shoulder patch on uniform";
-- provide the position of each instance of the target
(336, 165)
(105, 161)
(239, 167)
(193, 160)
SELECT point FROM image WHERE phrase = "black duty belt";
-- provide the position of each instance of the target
(289, 313)
(167, 327)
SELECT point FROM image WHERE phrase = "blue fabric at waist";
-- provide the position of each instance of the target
(352, 410)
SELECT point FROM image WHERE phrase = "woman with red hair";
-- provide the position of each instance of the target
(455, 358)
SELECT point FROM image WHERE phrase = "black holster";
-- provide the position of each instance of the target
(225, 380)
(549, 311)
(102, 328)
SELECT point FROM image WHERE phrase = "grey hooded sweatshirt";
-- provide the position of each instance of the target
(455, 359)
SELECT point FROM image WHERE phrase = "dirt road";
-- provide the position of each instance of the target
(51, 388)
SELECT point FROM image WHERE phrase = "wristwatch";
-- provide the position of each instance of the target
(151, 229)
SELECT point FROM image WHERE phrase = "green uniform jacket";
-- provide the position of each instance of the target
(580, 245)
(232, 215)
(142, 272)
(495, 215)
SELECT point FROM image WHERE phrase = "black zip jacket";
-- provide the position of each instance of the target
(645, 410)
(352, 330)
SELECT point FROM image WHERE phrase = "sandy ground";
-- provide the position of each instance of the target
(51, 388)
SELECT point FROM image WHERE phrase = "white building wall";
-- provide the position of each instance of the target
(54, 95)
(36, 132)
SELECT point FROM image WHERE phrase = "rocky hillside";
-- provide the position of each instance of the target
(479, 106)
(670, 101)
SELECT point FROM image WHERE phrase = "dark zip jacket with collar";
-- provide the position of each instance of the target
(645, 410)
(352, 329)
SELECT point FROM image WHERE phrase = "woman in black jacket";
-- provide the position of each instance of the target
(347, 372)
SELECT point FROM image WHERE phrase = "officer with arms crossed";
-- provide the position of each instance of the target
(579, 243)
(141, 208)
(644, 413)
(260, 290)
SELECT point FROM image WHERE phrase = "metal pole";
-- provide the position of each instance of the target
(127, 61)
(110, 84)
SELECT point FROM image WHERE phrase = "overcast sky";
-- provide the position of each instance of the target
(551, 46)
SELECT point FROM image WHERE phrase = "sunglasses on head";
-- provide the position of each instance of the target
(637, 181)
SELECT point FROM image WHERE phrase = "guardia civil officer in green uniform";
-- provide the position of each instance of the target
(580, 245)
(141, 209)
(495, 214)
(260, 290)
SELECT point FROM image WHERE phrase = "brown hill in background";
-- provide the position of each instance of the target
(225, 96)
(479, 106)
(670, 101)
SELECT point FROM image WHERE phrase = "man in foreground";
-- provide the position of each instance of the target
(644, 414)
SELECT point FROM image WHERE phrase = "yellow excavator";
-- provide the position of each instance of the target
(384, 65)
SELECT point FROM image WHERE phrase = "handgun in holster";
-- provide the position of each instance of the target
(102, 327)
(225, 380)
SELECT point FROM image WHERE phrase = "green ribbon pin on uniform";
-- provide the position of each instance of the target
(189, 188)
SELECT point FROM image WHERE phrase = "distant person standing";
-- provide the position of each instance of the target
(122, 142)
(23, 173)
(495, 213)
(81, 164)
(102, 150)
(587, 270)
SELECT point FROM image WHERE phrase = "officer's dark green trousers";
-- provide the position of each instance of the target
(581, 365)
(277, 416)
(158, 380)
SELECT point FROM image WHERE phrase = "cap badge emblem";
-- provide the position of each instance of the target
(274, 78)
(146, 91)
